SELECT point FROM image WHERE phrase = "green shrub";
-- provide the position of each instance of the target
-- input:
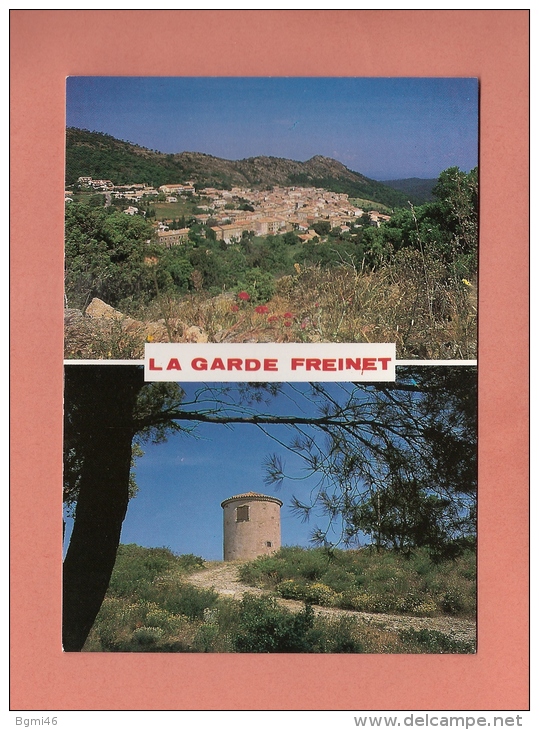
(137, 567)
(434, 642)
(148, 604)
(341, 636)
(260, 285)
(426, 607)
(361, 601)
(186, 599)
(291, 589)
(261, 571)
(115, 622)
(265, 628)
(189, 563)
(339, 578)
(164, 613)
(317, 593)
(205, 638)
(452, 601)
(288, 563)
(162, 619)
(320, 594)
(147, 635)
(367, 580)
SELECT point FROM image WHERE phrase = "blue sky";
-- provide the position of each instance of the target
(182, 482)
(384, 128)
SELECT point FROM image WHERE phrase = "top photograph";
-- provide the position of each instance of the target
(279, 209)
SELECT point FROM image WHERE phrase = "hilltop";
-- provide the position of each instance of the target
(158, 601)
(418, 190)
(103, 156)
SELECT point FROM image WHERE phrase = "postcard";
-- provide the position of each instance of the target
(270, 384)
(224, 243)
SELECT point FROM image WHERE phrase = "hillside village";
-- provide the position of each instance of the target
(271, 261)
(230, 213)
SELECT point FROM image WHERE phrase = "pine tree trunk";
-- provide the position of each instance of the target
(105, 397)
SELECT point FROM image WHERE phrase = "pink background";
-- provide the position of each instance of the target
(47, 46)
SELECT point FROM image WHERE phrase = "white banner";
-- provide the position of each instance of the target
(265, 362)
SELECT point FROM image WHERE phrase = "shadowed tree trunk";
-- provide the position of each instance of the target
(103, 422)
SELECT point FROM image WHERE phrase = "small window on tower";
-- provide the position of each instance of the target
(269, 544)
(242, 513)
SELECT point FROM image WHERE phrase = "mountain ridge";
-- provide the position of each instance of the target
(103, 156)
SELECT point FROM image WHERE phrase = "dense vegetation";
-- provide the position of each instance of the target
(367, 580)
(102, 156)
(150, 607)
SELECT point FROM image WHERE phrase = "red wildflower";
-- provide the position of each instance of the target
(288, 315)
(261, 309)
(234, 308)
(288, 323)
(273, 318)
(243, 296)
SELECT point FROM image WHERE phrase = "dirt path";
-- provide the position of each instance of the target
(223, 578)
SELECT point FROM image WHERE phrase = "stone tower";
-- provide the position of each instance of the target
(251, 526)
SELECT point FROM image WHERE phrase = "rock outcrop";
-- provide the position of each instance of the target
(102, 332)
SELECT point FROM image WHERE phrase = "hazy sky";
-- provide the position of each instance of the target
(384, 128)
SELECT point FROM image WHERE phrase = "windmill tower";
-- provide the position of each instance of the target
(251, 526)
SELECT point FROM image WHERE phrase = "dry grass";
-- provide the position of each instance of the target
(108, 339)
(410, 302)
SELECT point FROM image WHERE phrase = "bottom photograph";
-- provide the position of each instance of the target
(270, 517)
